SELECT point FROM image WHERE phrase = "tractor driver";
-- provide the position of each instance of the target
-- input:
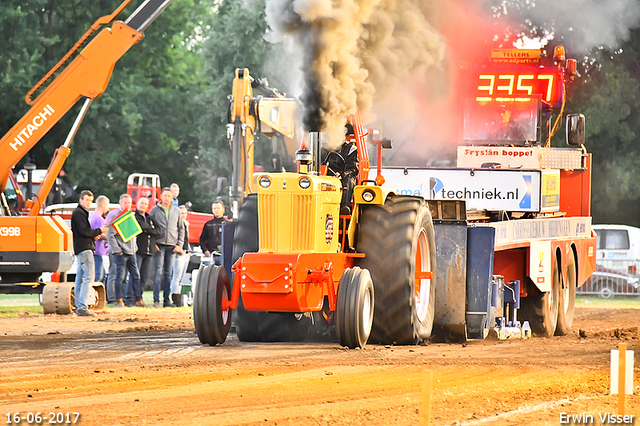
(506, 129)
(343, 164)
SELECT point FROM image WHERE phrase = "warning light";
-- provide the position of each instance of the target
(558, 54)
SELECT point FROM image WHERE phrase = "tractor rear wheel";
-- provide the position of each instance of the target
(354, 312)
(567, 300)
(212, 319)
(399, 242)
(254, 326)
(541, 310)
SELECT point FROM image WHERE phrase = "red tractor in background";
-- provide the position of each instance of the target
(148, 185)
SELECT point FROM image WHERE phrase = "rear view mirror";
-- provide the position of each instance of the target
(575, 129)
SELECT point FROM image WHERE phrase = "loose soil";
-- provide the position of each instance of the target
(146, 366)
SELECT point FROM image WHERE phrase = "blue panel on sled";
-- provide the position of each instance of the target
(480, 249)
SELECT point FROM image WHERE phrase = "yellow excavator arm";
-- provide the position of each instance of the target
(271, 114)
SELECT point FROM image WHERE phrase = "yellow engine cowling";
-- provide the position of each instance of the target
(298, 213)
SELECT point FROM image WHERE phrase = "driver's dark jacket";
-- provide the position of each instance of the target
(344, 163)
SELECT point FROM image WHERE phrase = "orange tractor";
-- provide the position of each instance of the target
(297, 262)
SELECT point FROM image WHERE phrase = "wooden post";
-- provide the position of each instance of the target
(622, 356)
(425, 412)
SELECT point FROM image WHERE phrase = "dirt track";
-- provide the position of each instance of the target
(145, 366)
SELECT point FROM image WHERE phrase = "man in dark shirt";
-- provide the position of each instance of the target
(211, 237)
(83, 247)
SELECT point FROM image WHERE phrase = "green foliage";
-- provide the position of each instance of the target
(607, 95)
(165, 108)
(235, 40)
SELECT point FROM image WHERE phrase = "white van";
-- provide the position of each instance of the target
(618, 243)
(618, 251)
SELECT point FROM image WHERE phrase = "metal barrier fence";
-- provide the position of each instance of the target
(627, 267)
(613, 278)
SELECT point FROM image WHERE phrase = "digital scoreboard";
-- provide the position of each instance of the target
(513, 83)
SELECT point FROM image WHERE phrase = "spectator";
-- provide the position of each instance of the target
(175, 191)
(111, 276)
(211, 236)
(96, 220)
(168, 219)
(124, 256)
(146, 242)
(181, 262)
(83, 247)
(343, 164)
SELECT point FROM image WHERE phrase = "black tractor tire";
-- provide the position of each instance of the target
(355, 307)
(541, 310)
(394, 236)
(199, 305)
(212, 321)
(254, 326)
(567, 300)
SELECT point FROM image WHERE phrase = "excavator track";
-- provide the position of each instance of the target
(59, 298)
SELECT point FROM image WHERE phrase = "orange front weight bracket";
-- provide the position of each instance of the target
(235, 291)
(324, 275)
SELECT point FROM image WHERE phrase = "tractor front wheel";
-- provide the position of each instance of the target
(211, 312)
(354, 313)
